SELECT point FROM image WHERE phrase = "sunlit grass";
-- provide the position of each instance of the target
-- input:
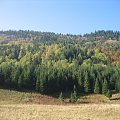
(54, 112)
(16, 105)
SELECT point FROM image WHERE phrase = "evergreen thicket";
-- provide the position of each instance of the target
(51, 63)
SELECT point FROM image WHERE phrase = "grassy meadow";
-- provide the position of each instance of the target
(16, 105)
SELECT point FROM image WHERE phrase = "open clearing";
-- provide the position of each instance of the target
(55, 112)
(16, 105)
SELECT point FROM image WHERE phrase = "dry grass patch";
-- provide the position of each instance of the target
(54, 112)
(15, 97)
(16, 105)
(94, 98)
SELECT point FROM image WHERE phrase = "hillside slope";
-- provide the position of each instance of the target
(16, 97)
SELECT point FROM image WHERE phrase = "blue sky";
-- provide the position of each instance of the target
(60, 16)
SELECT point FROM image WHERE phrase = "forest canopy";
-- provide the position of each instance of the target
(48, 63)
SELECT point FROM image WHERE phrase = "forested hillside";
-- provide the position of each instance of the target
(51, 63)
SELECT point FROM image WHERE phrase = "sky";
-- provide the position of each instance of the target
(60, 16)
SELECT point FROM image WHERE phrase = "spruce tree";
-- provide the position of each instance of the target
(73, 97)
(97, 87)
(105, 87)
(86, 83)
(109, 94)
(61, 96)
(80, 83)
(117, 85)
(37, 84)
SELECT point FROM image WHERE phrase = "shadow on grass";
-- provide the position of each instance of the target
(115, 98)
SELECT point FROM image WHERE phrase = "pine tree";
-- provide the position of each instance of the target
(117, 85)
(105, 87)
(86, 83)
(37, 84)
(109, 94)
(73, 97)
(20, 81)
(97, 87)
(61, 96)
(42, 89)
(80, 83)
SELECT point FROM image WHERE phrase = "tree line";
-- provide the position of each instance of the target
(57, 67)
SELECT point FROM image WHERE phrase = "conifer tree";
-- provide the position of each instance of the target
(61, 96)
(105, 87)
(109, 94)
(97, 87)
(117, 85)
(37, 84)
(80, 83)
(86, 83)
(73, 97)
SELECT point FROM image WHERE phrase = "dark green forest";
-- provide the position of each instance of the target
(53, 63)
